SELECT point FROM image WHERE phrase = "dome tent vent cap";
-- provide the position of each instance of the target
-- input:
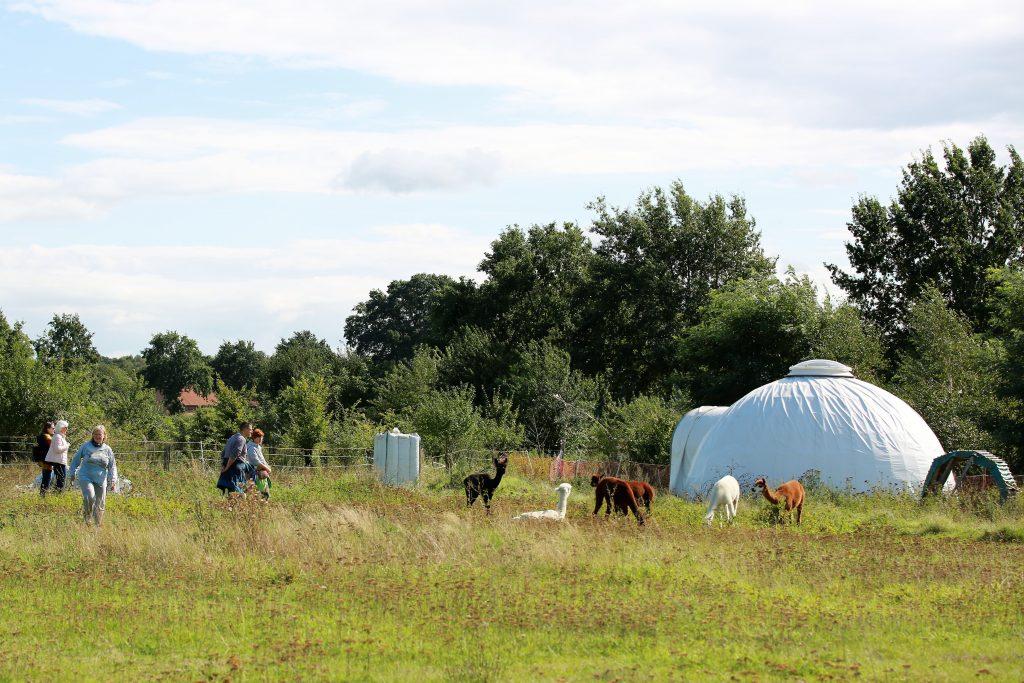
(820, 368)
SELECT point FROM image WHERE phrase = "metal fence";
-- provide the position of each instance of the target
(531, 463)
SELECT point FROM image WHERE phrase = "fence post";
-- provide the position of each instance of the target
(167, 457)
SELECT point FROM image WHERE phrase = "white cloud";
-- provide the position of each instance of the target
(402, 171)
(824, 63)
(126, 293)
(89, 107)
(190, 156)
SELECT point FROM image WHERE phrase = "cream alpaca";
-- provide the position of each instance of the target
(558, 515)
(726, 491)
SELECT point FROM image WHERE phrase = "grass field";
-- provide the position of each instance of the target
(339, 578)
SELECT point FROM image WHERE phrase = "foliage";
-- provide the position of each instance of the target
(950, 375)
(407, 384)
(537, 283)
(448, 423)
(948, 225)
(127, 402)
(638, 430)
(555, 402)
(174, 363)
(66, 341)
(303, 407)
(301, 354)
(31, 392)
(239, 364)
(752, 331)
(656, 266)
(389, 326)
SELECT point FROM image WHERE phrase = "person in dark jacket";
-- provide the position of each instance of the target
(235, 469)
(42, 447)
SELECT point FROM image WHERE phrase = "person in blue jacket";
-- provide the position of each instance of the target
(96, 469)
(235, 469)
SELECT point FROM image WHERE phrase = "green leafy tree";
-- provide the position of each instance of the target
(239, 364)
(66, 341)
(502, 430)
(388, 326)
(449, 424)
(407, 384)
(657, 264)
(950, 223)
(127, 402)
(752, 331)
(537, 283)
(303, 408)
(174, 363)
(474, 358)
(950, 375)
(301, 354)
(351, 381)
(556, 404)
(31, 392)
(639, 430)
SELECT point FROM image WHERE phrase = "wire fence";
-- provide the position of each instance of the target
(540, 464)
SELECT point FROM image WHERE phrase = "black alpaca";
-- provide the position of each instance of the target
(483, 484)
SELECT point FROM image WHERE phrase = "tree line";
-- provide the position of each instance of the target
(598, 338)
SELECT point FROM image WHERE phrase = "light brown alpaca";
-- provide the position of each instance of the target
(791, 493)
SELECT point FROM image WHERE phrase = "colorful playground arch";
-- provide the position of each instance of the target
(959, 461)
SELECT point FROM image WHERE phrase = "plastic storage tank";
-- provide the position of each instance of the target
(396, 457)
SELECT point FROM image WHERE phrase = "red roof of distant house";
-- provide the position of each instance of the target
(191, 399)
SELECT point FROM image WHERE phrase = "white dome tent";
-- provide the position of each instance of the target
(818, 417)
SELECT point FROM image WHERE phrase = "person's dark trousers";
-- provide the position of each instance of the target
(56, 473)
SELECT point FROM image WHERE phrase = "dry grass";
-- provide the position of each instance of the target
(340, 578)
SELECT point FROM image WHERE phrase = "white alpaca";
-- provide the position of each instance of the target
(558, 515)
(725, 491)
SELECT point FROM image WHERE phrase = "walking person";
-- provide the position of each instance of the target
(235, 470)
(42, 447)
(254, 454)
(57, 459)
(96, 469)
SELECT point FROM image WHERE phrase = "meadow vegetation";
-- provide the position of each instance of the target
(341, 578)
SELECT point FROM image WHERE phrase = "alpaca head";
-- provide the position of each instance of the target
(501, 461)
(759, 484)
(595, 479)
(564, 489)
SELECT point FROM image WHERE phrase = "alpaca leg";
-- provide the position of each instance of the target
(799, 512)
(471, 494)
(487, 501)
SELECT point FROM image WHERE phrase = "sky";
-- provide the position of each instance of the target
(242, 169)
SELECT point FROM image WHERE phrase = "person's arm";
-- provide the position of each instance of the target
(75, 462)
(112, 470)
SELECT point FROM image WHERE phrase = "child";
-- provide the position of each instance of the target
(254, 451)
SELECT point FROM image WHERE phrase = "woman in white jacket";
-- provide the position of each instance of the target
(56, 458)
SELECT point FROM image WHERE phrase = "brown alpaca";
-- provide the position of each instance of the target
(791, 493)
(643, 491)
(618, 492)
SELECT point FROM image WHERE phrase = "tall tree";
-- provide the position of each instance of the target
(657, 263)
(303, 406)
(299, 355)
(949, 224)
(389, 326)
(537, 281)
(173, 363)
(66, 341)
(752, 331)
(239, 364)
(951, 375)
